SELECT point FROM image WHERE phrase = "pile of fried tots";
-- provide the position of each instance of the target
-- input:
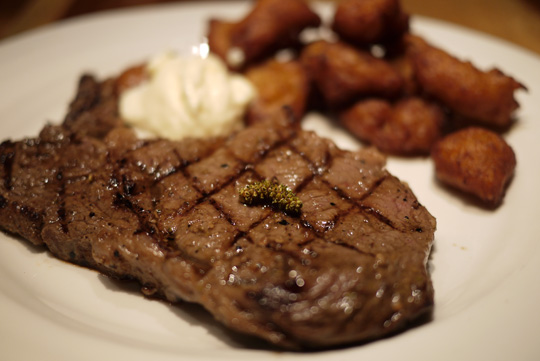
(390, 88)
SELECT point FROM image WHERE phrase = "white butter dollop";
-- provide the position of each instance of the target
(187, 96)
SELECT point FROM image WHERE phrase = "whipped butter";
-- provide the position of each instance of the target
(187, 96)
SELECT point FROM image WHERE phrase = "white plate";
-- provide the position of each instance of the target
(486, 264)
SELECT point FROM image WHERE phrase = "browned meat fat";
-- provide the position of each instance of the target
(350, 268)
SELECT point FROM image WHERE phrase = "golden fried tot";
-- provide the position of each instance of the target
(485, 97)
(131, 77)
(269, 26)
(403, 65)
(342, 73)
(477, 161)
(409, 127)
(365, 22)
(278, 84)
(220, 39)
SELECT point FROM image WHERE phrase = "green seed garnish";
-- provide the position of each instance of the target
(273, 194)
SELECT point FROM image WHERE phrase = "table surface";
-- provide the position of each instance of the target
(517, 21)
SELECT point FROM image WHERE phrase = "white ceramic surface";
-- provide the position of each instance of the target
(485, 264)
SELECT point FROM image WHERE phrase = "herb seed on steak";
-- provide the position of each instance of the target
(350, 267)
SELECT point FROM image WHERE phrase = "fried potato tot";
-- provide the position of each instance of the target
(131, 77)
(365, 22)
(477, 161)
(343, 73)
(269, 26)
(219, 36)
(485, 97)
(278, 84)
(409, 127)
(404, 67)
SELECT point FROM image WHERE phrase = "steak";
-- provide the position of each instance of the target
(349, 268)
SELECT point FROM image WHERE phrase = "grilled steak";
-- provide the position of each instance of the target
(349, 268)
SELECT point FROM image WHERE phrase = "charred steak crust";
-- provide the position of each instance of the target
(351, 267)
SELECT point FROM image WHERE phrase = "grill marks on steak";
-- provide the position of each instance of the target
(350, 268)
